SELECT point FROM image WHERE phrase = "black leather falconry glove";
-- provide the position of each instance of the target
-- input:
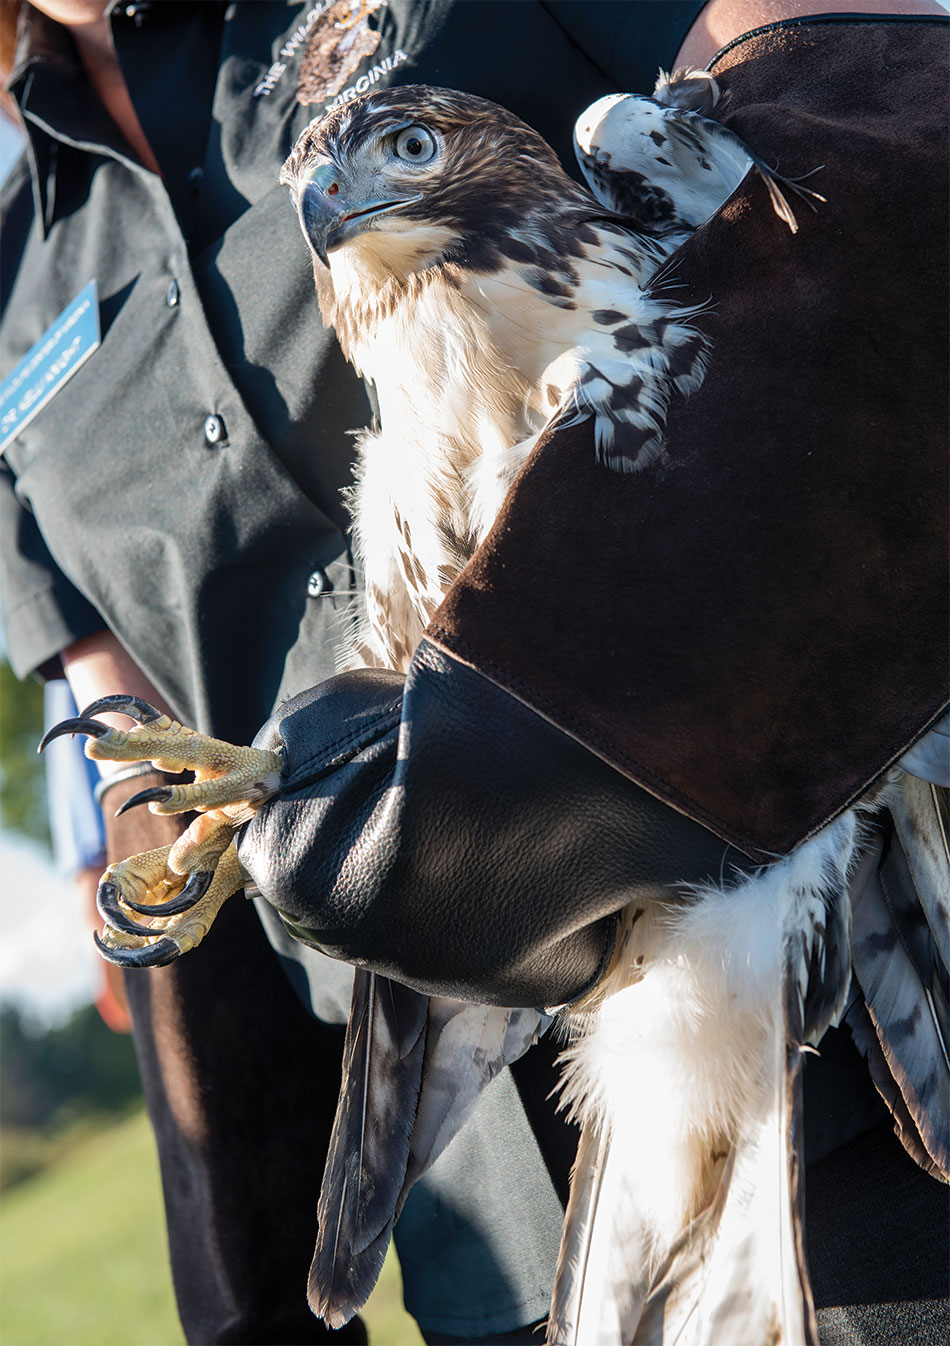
(444, 835)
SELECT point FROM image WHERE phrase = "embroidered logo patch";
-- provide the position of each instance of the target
(336, 48)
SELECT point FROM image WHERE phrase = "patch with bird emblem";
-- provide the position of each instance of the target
(336, 47)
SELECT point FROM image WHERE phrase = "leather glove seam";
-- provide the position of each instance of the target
(341, 749)
(564, 721)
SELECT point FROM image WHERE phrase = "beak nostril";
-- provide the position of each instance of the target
(333, 188)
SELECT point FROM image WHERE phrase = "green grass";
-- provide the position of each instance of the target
(83, 1259)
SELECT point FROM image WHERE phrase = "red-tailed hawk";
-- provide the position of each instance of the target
(479, 316)
(487, 297)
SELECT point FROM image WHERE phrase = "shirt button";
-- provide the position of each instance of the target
(316, 584)
(195, 178)
(172, 294)
(215, 432)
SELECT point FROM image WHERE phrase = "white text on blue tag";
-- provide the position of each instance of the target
(60, 351)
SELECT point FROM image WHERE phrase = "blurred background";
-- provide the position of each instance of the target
(82, 1237)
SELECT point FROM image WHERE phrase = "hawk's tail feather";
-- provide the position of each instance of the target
(600, 1283)
(467, 1045)
(413, 1071)
(369, 1148)
(901, 969)
(737, 1274)
(867, 1042)
(687, 1069)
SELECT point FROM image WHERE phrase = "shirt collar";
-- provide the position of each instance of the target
(39, 39)
(45, 61)
(56, 102)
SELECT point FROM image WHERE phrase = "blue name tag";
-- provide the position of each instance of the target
(50, 363)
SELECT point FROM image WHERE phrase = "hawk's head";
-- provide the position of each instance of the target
(411, 176)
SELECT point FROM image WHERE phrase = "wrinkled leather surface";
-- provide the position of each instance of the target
(754, 628)
(466, 847)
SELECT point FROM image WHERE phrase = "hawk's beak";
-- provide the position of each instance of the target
(319, 213)
(328, 217)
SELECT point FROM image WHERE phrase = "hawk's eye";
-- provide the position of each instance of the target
(415, 145)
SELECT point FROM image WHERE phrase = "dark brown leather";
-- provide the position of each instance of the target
(455, 841)
(755, 628)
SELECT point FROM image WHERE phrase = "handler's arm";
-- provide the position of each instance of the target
(634, 672)
(451, 838)
(98, 666)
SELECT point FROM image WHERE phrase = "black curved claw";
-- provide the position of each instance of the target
(122, 703)
(77, 726)
(192, 893)
(160, 954)
(162, 792)
(107, 905)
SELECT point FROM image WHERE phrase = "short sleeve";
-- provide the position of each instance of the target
(42, 611)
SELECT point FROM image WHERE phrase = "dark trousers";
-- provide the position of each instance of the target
(878, 1237)
(241, 1085)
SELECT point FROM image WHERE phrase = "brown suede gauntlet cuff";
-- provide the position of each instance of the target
(755, 627)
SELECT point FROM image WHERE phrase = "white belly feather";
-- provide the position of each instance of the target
(468, 370)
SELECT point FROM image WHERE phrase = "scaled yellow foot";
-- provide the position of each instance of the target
(179, 888)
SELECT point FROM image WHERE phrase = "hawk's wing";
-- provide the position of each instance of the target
(414, 1068)
(900, 1008)
(736, 1270)
(684, 1223)
(665, 163)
